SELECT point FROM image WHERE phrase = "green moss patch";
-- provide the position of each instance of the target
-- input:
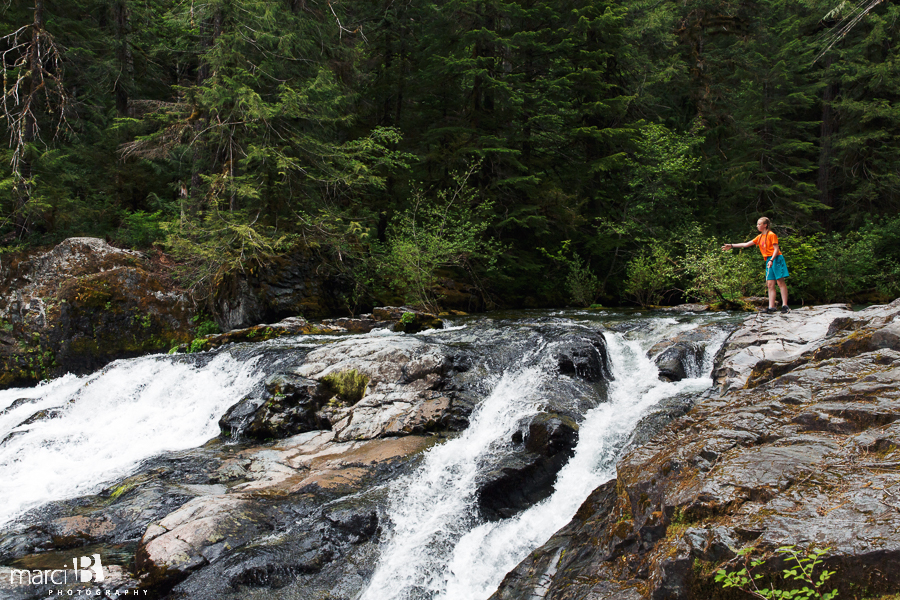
(349, 386)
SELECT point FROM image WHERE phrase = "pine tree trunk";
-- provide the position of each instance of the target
(23, 191)
(123, 55)
(200, 120)
(823, 181)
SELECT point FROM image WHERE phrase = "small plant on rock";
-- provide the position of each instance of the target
(205, 326)
(803, 571)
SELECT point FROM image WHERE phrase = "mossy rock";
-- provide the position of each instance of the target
(349, 386)
(407, 320)
(82, 305)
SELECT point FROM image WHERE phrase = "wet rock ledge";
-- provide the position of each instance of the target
(800, 444)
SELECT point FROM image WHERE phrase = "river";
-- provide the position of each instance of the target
(75, 436)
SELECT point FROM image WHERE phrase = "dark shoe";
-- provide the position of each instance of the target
(768, 311)
(785, 309)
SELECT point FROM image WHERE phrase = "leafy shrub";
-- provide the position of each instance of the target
(650, 275)
(721, 277)
(580, 282)
(843, 267)
(803, 572)
(582, 285)
(437, 233)
(846, 265)
(803, 256)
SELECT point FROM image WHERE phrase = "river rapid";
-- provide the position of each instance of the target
(77, 436)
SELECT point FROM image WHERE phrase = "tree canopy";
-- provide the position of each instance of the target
(229, 131)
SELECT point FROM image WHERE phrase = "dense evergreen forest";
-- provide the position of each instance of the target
(547, 153)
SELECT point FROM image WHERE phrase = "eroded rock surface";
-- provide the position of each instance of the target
(683, 355)
(800, 446)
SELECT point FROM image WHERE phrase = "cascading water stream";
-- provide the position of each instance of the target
(97, 428)
(75, 435)
(442, 494)
(438, 549)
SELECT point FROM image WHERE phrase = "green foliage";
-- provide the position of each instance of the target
(803, 572)
(205, 326)
(348, 386)
(650, 275)
(580, 283)
(443, 231)
(141, 229)
(721, 277)
(233, 131)
(846, 267)
(407, 318)
(661, 180)
(220, 243)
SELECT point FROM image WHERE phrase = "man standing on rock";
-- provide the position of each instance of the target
(776, 268)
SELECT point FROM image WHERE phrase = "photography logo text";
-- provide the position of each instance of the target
(87, 569)
(91, 570)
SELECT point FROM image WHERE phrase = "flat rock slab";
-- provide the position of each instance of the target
(312, 464)
(779, 337)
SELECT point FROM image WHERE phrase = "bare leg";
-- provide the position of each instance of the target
(782, 285)
(770, 283)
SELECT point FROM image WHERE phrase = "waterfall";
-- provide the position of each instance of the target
(442, 494)
(73, 436)
(97, 428)
(438, 549)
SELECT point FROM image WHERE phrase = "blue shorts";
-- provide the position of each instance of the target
(778, 269)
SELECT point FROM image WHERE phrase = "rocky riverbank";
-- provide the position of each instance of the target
(798, 445)
(81, 305)
(78, 306)
(292, 495)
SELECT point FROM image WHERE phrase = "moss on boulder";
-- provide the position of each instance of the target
(81, 305)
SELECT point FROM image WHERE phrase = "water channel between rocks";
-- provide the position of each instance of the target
(75, 435)
(438, 548)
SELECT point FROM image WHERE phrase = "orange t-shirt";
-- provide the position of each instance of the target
(766, 242)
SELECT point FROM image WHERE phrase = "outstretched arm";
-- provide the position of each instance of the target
(744, 245)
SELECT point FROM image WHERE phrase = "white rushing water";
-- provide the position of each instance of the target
(107, 422)
(441, 494)
(437, 549)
